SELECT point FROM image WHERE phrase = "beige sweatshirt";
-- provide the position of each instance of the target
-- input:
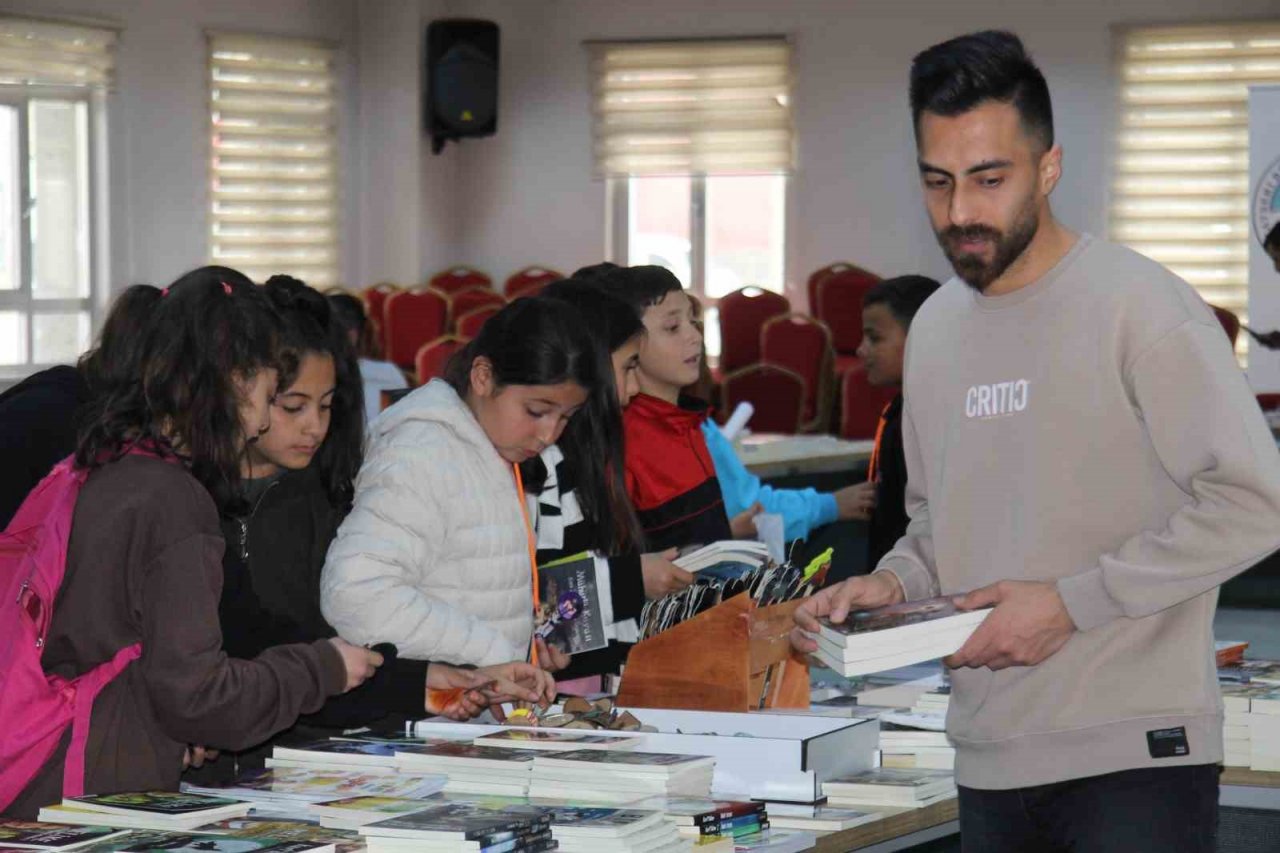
(1094, 430)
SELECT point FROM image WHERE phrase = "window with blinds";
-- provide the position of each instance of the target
(1181, 186)
(274, 189)
(48, 53)
(692, 107)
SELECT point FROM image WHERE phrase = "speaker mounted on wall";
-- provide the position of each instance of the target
(461, 91)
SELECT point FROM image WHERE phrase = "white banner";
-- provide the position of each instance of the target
(1264, 215)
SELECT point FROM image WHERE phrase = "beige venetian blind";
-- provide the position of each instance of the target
(1182, 170)
(691, 107)
(46, 53)
(274, 190)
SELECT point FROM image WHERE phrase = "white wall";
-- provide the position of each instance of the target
(158, 118)
(528, 196)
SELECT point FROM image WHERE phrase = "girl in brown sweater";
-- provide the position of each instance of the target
(144, 562)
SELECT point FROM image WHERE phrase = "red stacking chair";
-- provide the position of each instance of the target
(374, 298)
(528, 281)
(433, 356)
(839, 305)
(1230, 323)
(469, 324)
(743, 314)
(1268, 401)
(410, 319)
(776, 394)
(861, 404)
(466, 301)
(802, 344)
(459, 278)
(811, 284)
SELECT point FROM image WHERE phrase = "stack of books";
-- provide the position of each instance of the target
(771, 841)
(28, 835)
(914, 739)
(589, 830)
(819, 818)
(898, 688)
(200, 842)
(351, 813)
(891, 787)
(868, 641)
(472, 769)
(745, 551)
(700, 818)
(144, 810)
(259, 828)
(1237, 740)
(934, 701)
(616, 778)
(1264, 731)
(361, 756)
(559, 740)
(285, 791)
(459, 826)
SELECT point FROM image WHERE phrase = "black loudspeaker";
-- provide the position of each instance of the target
(461, 92)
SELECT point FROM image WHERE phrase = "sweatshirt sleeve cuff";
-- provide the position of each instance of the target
(828, 509)
(407, 687)
(1087, 601)
(915, 580)
(627, 586)
(332, 670)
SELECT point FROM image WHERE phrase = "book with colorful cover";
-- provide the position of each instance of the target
(203, 843)
(909, 617)
(597, 822)
(700, 811)
(340, 753)
(283, 829)
(640, 762)
(742, 825)
(453, 821)
(126, 838)
(569, 615)
(314, 786)
(450, 753)
(565, 740)
(818, 818)
(360, 810)
(160, 804)
(775, 841)
(29, 835)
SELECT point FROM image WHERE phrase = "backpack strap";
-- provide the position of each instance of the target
(87, 688)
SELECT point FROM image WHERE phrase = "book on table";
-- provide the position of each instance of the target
(29, 835)
(701, 811)
(560, 740)
(145, 810)
(353, 812)
(892, 786)
(295, 785)
(456, 821)
(775, 841)
(589, 829)
(570, 616)
(285, 829)
(205, 843)
(339, 754)
(818, 818)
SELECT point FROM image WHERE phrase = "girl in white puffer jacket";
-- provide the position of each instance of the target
(435, 554)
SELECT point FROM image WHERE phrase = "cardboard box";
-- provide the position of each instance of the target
(767, 756)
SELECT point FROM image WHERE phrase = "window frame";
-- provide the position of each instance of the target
(23, 299)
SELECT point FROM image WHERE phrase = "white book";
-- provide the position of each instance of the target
(1232, 718)
(899, 622)
(872, 646)
(919, 760)
(292, 764)
(899, 694)
(727, 551)
(890, 785)
(884, 664)
(818, 818)
(342, 754)
(869, 802)
(558, 740)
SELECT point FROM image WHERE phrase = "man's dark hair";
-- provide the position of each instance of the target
(1272, 241)
(953, 77)
(903, 296)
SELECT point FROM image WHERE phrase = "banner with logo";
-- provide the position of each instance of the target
(1264, 217)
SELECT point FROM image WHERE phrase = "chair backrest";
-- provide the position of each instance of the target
(811, 284)
(743, 314)
(374, 298)
(469, 324)
(529, 281)
(861, 404)
(432, 357)
(776, 393)
(839, 305)
(1230, 323)
(801, 343)
(410, 319)
(466, 301)
(459, 278)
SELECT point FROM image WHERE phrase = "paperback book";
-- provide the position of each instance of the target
(292, 785)
(144, 810)
(203, 843)
(569, 615)
(28, 835)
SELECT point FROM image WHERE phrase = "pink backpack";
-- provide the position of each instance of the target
(36, 708)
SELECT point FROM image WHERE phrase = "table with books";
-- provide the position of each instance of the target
(769, 456)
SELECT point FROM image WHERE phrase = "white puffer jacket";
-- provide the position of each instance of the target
(434, 556)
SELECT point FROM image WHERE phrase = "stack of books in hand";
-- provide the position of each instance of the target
(891, 787)
(460, 826)
(615, 778)
(471, 769)
(589, 830)
(885, 638)
(144, 810)
(915, 739)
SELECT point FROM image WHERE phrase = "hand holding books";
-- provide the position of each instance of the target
(1030, 623)
(877, 589)
(661, 575)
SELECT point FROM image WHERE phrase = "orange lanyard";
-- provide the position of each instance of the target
(873, 468)
(533, 555)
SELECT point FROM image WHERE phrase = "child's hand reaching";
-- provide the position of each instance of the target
(360, 663)
(550, 658)
(661, 575)
(741, 525)
(856, 502)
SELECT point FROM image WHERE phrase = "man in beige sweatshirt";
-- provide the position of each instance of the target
(1084, 454)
